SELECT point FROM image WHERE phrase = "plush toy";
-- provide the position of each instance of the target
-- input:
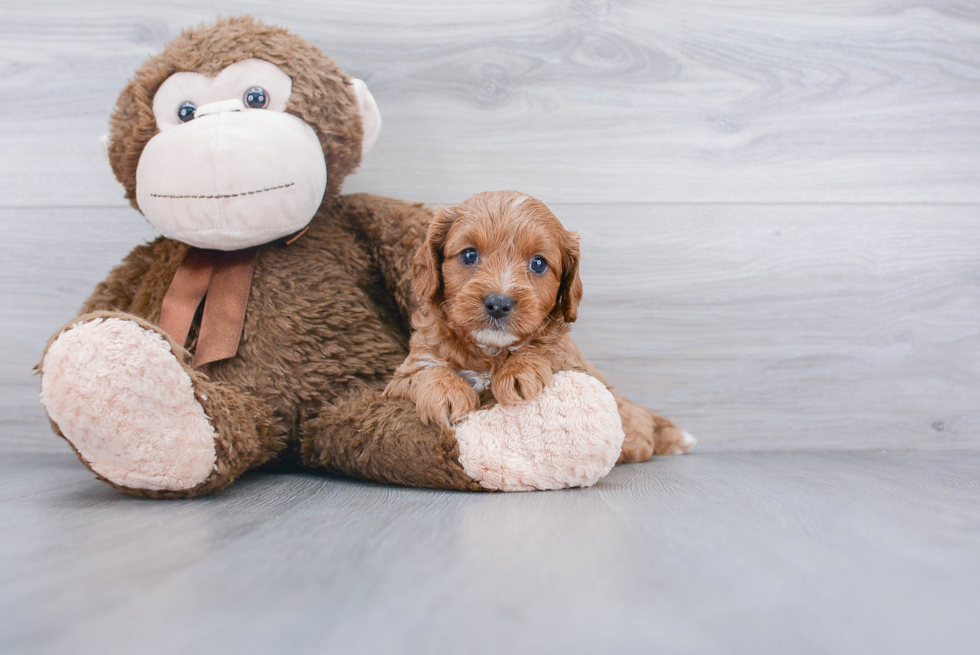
(263, 326)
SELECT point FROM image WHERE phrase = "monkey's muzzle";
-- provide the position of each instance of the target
(232, 179)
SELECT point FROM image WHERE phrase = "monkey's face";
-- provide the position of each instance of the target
(230, 168)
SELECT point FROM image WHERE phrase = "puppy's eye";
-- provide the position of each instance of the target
(538, 265)
(186, 112)
(256, 98)
(469, 256)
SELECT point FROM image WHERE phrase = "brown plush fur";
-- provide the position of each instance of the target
(364, 436)
(327, 320)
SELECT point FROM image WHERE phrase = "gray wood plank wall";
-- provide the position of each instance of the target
(777, 199)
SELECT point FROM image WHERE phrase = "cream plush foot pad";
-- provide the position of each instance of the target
(570, 436)
(123, 400)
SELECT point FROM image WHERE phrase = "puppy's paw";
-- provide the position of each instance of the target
(446, 400)
(521, 380)
(672, 440)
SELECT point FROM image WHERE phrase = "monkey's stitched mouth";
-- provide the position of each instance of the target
(224, 195)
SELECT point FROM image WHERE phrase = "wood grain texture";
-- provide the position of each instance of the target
(728, 164)
(789, 327)
(574, 100)
(757, 327)
(724, 553)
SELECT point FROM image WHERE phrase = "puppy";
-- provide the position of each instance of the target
(498, 286)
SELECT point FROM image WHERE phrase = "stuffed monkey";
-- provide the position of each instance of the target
(263, 326)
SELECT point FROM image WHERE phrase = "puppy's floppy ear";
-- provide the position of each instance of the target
(570, 289)
(427, 265)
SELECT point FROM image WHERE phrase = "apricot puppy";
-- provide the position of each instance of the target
(498, 284)
(498, 287)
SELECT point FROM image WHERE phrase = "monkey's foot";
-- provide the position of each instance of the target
(126, 403)
(569, 436)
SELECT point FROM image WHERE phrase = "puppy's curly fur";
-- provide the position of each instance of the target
(498, 285)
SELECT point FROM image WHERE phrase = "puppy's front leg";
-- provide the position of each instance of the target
(521, 378)
(439, 394)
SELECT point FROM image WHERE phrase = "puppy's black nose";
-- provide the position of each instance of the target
(498, 306)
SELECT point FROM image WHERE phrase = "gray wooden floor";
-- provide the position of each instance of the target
(778, 203)
(868, 552)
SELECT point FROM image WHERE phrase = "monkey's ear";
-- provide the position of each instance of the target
(105, 141)
(570, 288)
(427, 265)
(370, 116)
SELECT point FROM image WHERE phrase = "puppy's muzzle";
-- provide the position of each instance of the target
(498, 307)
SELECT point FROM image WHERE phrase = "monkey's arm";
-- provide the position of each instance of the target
(575, 440)
(393, 231)
(368, 436)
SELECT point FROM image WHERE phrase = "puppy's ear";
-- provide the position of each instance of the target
(570, 289)
(427, 265)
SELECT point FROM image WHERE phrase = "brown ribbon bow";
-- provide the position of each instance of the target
(226, 279)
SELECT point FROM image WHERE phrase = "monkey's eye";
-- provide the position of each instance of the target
(186, 112)
(256, 98)
(538, 265)
(469, 256)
